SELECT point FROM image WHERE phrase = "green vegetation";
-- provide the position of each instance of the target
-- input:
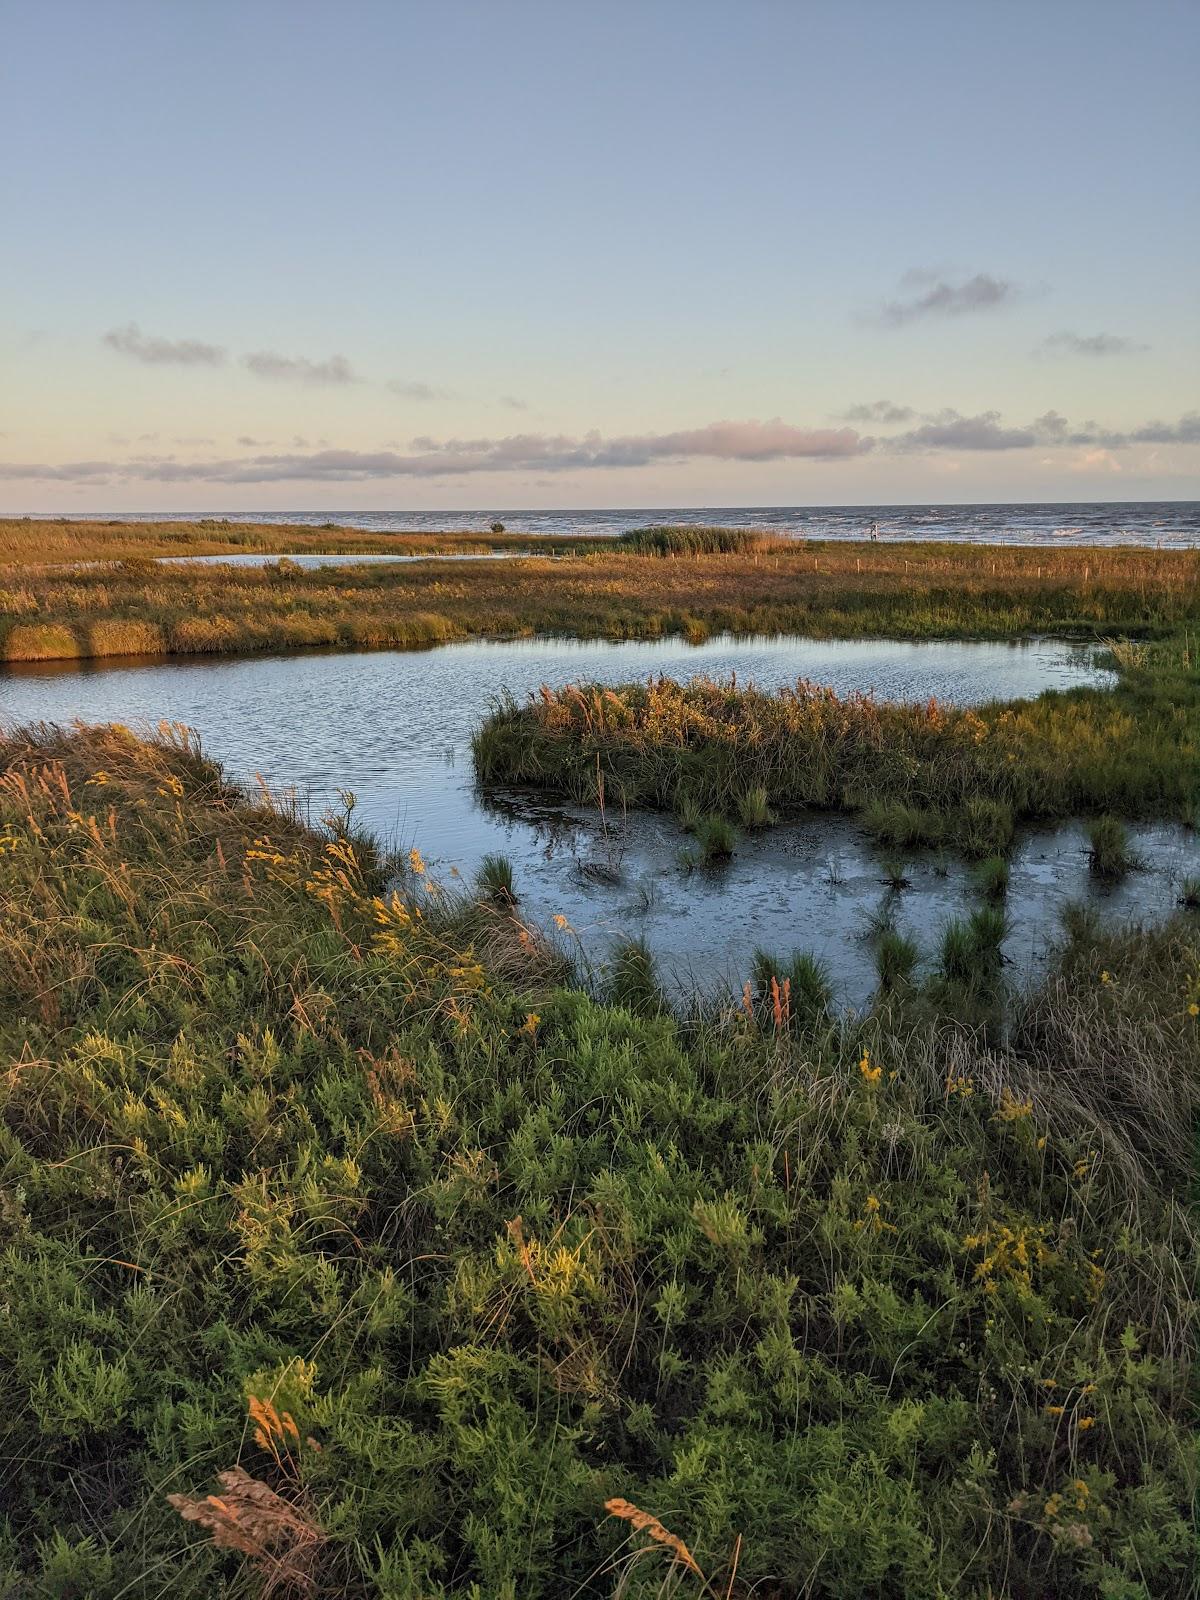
(39, 542)
(798, 988)
(716, 838)
(896, 957)
(951, 775)
(991, 877)
(495, 879)
(1109, 855)
(322, 1193)
(753, 810)
(684, 541)
(602, 589)
(633, 982)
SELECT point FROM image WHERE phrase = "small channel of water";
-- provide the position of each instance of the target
(395, 727)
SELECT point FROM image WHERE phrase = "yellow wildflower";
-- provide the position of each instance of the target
(870, 1073)
(1011, 1109)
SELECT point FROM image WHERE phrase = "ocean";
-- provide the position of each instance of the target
(1165, 523)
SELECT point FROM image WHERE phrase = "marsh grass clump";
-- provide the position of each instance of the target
(495, 879)
(809, 991)
(984, 827)
(688, 812)
(684, 541)
(1189, 894)
(1109, 854)
(970, 952)
(991, 877)
(895, 875)
(716, 839)
(754, 810)
(633, 980)
(902, 826)
(896, 957)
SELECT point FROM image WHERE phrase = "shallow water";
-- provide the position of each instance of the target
(1169, 523)
(333, 558)
(395, 728)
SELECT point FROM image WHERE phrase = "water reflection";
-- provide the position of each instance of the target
(395, 727)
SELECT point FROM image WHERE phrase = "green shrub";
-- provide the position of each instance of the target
(861, 1307)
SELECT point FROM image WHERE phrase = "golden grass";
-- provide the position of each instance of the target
(25, 541)
(833, 590)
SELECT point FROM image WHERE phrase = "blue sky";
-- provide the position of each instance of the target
(529, 254)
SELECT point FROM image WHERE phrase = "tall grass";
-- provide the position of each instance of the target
(685, 541)
(919, 774)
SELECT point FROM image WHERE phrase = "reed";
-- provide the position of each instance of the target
(919, 775)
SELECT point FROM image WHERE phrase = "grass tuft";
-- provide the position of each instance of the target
(1109, 854)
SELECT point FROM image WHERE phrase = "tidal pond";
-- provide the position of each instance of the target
(395, 727)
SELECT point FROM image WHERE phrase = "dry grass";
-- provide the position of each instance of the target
(281, 1539)
(25, 541)
(602, 591)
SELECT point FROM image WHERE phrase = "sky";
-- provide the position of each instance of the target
(407, 256)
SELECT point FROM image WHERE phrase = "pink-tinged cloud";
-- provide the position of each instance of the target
(948, 431)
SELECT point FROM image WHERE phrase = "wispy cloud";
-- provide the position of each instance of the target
(1088, 344)
(298, 369)
(432, 458)
(408, 390)
(879, 411)
(940, 437)
(157, 352)
(950, 430)
(941, 298)
(512, 402)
